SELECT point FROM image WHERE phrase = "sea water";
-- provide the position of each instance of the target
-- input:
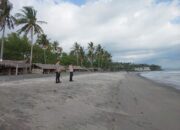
(171, 78)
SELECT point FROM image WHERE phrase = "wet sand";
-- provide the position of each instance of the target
(97, 101)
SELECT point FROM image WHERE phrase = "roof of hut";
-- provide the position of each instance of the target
(48, 66)
(79, 68)
(14, 63)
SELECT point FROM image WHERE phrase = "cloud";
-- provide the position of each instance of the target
(163, 1)
(131, 30)
(176, 20)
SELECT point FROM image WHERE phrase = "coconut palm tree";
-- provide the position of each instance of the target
(55, 46)
(106, 58)
(57, 50)
(27, 18)
(6, 20)
(90, 54)
(75, 51)
(43, 42)
(81, 55)
(98, 53)
(101, 57)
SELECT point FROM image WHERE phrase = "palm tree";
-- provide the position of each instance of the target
(28, 19)
(57, 50)
(91, 49)
(55, 46)
(43, 42)
(81, 55)
(5, 20)
(106, 58)
(98, 53)
(101, 56)
(75, 51)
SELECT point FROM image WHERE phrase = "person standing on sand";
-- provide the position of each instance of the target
(71, 70)
(58, 72)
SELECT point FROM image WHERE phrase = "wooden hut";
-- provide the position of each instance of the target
(93, 69)
(45, 68)
(80, 69)
(12, 67)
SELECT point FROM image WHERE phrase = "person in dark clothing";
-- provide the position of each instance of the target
(71, 76)
(57, 77)
(71, 70)
(58, 72)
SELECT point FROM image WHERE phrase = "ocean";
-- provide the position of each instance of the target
(171, 78)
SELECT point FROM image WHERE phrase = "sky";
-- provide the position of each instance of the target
(137, 31)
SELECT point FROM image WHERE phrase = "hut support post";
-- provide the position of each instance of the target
(17, 69)
(9, 71)
(25, 71)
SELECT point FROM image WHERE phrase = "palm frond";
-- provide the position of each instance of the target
(28, 29)
(5, 17)
(42, 22)
(23, 29)
(21, 21)
(38, 29)
(27, 17)
(20, 15)
(10, 23)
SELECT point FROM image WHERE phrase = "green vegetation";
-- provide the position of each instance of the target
(18, 47)
(117, 66)
(6, 20)
(43, 43)
(27, 18)
(155, 67)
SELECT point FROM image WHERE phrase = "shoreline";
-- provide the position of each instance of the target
(165, 85)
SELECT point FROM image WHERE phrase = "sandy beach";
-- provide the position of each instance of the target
(97, 101)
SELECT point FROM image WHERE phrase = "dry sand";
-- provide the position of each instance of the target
(98, 101)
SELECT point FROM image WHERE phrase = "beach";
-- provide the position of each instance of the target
(93, 101)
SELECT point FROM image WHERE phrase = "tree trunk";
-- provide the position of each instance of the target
(17, 69)
(91, 61)
(81, 62)
(44, 56)
(77, 60)
(2, 44)
(101, 63)
(31, 49)
(98, 61)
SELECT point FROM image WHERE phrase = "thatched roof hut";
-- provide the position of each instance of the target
(14, 67)
(46, 68)
(79, 68)
(13, 63)
(93, 69)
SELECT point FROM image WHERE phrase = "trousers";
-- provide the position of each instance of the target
(71, 76)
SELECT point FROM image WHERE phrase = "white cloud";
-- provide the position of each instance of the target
(118, 25)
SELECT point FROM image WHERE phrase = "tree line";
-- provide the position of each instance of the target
(18, 47)
(120, 66)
